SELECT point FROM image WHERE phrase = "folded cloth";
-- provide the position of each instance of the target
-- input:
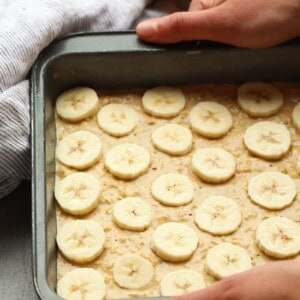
(26, 27)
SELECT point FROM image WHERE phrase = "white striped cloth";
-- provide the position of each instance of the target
(26, 27)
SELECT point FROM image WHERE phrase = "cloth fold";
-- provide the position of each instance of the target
(27, 27)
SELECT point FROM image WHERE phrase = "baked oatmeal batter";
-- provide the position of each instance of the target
(119, 242)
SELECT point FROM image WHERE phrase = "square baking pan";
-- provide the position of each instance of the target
(117, 60)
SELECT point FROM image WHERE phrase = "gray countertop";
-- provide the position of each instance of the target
(16, 282)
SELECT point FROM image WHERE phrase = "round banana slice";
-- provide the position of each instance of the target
(81, 241)
(278, 237)
(172, 139)
(210, 119)
(78, 193)
(272, 190)
(218, 215)
(227, 259)
(174, 242)
(133, 271)
(127, 161)
(181, 282)
(80, 150)
(214, 165)
(268, 140)
(259, 99)
(81, 284)
(172, 189)
(163, 102)
(77, 104)
(117, 119)
(132, 214)
(296, 116)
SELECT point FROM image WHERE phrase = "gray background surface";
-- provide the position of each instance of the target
(16, 281)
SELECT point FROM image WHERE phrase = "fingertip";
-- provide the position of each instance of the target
(147, 29)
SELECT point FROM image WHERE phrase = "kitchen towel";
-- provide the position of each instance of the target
(26, 27)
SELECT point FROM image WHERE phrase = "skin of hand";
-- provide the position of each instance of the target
(275, 281)
(242, 23)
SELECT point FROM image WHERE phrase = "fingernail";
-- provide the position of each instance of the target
(147, 28)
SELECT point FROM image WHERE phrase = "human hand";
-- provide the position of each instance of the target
(249, 24)
(275, 281)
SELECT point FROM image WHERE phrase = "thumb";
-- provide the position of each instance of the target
(215, 24)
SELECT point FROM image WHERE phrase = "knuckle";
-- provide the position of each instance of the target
(177, 23)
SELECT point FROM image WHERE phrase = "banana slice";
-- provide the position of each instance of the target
(77, 104)
(132, 214)
(272, 190)
(172, 189)
(296, 116)
(133, 272)
(174, 242)
(82, 284)
(80, 150)
(78, 193)
(268, 140)
(181, 282)
(227, 259)
(172, 139)
(163, 102)
(278, 237)
(259, 99)
(298, 164)
(214, 165)
(210, 119)
(218, 215)
(81, 241)
(117, 119)
(127, 161)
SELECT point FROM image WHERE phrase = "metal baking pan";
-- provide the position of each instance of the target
(114, 60)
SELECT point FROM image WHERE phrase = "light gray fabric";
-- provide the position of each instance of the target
(26, 27)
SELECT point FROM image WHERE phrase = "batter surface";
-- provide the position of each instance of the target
(119, 242)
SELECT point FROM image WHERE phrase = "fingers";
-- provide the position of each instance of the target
(211, 24)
